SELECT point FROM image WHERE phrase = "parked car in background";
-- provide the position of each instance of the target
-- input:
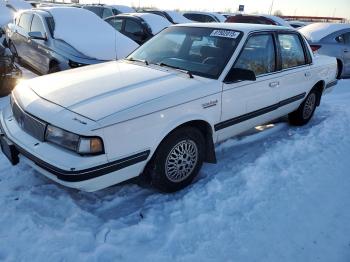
(140, 27)
(258, 19)
(160, 111)
(173, 17)
(204, 17)
(9, 72)
(104, 11)
(60, 38)
(332, 40)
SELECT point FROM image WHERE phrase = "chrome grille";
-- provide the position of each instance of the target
(28, 123)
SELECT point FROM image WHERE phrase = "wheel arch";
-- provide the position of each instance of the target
(340, 66)
(319, 87)
(204, 127)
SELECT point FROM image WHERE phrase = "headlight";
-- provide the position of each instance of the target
(74, 142)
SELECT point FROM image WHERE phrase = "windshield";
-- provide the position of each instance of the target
(201, 51)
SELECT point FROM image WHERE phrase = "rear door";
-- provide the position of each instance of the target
(246, 104)
(296, 74)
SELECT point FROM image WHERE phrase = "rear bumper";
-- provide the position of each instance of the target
(89, 179)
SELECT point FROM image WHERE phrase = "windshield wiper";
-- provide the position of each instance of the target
(138, 60)
(177, 68)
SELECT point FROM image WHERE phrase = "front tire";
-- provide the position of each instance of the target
(305, 111)
(178, 160)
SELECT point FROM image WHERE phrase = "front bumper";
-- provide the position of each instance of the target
(88, 179)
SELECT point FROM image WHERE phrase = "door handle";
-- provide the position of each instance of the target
(274, 84)
(346, 50)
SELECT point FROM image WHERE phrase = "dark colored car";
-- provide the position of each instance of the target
(9, 72)
(138, 26)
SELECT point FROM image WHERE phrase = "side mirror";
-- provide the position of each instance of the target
(37, 36)
(239, 74)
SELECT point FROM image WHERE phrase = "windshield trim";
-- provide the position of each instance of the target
(217, 76)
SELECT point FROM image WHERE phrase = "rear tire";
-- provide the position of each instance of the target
(305, 111)
(178, 160)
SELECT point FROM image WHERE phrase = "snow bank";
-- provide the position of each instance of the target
(6, 15)
(315, 32)
(124, 8)
(178, 17)
(89, 34)
(156, 22)
(19, 4)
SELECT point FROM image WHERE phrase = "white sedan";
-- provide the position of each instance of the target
(160, 112)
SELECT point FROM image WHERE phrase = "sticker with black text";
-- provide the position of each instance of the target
(225, 33)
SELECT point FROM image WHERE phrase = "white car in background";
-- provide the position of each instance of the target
(204, 17)
(161, 111)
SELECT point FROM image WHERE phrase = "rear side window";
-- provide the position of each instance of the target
(37, 25)
(117, 23)
(258, 55)
(132, 27)
(292, 52)
(25, 21)
(107, 13)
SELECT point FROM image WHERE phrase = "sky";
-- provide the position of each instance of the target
(338, 8)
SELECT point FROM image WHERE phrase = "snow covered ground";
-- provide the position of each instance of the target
(281, 194)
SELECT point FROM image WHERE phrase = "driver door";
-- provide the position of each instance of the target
(246, 104)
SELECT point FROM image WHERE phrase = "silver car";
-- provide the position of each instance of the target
(30, 38)
(332, 40)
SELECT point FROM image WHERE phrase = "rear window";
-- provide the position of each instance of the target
(292, 52)
(95, 9)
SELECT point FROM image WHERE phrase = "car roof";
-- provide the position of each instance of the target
(245, 28)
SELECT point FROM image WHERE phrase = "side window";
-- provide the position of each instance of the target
(115, 11)
(107, 13)
(292, 52)
(37, 25)
(117, 23)
(258, 55)
(25, 21)
(132, 27)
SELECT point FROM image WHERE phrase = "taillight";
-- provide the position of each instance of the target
(314, 48)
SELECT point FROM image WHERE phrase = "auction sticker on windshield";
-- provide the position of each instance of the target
(225, 33)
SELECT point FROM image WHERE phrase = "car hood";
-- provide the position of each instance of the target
(118, 87)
